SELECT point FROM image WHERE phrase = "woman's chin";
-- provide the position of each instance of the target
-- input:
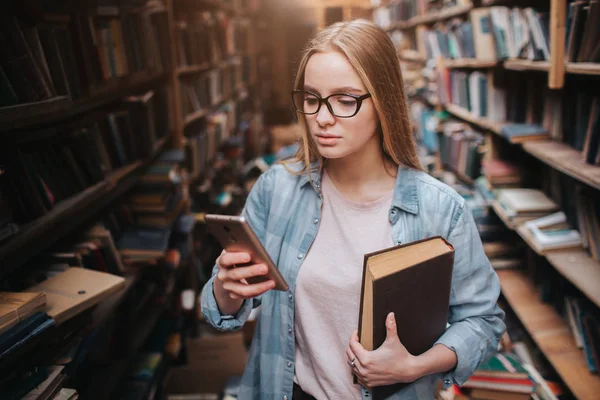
(331, 152)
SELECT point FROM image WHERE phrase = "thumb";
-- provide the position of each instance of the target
(390, 326)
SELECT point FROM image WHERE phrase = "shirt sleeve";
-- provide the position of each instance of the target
(255, 211)
(476, 321)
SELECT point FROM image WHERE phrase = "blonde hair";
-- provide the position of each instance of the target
(373, 56)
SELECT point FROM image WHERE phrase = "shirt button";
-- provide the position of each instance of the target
(320, 196)
(300, 256)
(393, 211)
(316, 220)
(289, 364)
(290, 331)
(447, 381)
(290, 296)
(285, 398)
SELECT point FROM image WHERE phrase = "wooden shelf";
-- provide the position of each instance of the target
(469, 63)
(412, 56)
(193, 69)
(551, 334)
(447, 13)
(69, 214)
(399, 25)
(565, 159)
(469, 117)
(574, 264)
(580, 269)
(526, 65)
(583, 68)
(58, 109)
(194, 117)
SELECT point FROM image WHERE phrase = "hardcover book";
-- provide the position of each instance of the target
(413, 281)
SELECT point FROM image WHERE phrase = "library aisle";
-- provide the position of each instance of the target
(124, 122)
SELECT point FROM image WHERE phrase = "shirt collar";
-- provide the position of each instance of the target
(405, 190)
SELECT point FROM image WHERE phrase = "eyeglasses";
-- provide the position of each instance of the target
(339, 104)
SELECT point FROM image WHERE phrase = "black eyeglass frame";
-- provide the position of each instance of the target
(359, 100)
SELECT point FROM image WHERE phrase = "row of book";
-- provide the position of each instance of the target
(201, 92)
(73, 55)
(460, 149)
(404, 10)
(38, 175)
(581, 42)
(206, 38)
(489, 34)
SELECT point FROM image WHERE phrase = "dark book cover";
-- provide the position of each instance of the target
(419, 297)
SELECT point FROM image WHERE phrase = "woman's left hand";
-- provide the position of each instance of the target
(390, 363)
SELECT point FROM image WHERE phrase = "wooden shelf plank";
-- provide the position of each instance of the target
(193, 69)
(526, 65)
(565, 159)
(196, 115)
(469, 117)
(105, 93)
(412, 56)
(469, 63)
(69, 214)
(580, 269)
(550, 332)
(583, 68)
(447, 13)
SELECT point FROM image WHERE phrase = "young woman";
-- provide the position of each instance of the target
(355, 186)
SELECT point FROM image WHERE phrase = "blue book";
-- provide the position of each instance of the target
(146, 241)
(23, 332)
(172, 156)
(518, 133)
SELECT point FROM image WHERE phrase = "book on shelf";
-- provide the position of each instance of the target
(75, 290)
(518, 133)
(70, 55)
(390, 279)
(552, 232)
(524, 202)
(16, 306)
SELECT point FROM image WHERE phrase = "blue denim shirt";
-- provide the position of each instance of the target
(285, 210)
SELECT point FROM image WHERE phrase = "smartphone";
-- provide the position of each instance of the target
(235, 235)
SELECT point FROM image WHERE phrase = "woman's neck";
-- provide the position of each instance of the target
(362, 176)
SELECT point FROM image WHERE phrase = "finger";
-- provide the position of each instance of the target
(390, 326)
(349, 354)
(227, 260)
(248, 291)
(240, 273)
(361, 353)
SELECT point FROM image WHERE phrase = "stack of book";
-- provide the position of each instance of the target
(518, 205)
(501, 377)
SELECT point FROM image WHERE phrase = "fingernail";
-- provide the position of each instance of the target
(271, 284)
(263, 269)
(392, 318)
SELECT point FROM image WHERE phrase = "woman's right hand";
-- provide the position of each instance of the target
(230, 285)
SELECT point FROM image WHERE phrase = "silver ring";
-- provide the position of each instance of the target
(352, 362)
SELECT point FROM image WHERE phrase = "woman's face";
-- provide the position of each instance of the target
(331, 73)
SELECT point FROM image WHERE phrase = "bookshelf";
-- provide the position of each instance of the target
(70, 214)
(105, 118)
(550, 332)
(559, 160)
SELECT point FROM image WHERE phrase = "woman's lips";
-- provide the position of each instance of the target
(327, 139)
